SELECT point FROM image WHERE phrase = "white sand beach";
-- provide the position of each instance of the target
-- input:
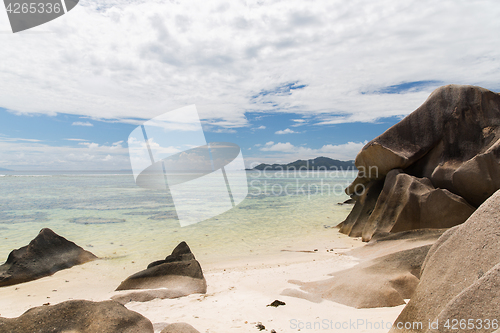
(237, 295)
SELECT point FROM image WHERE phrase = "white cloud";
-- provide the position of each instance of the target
(8, 139)
(126, 59)
(81, 123)
(224, 130)
(158, 149)
(286, 131)
(283, 147)
(299, 122)
(262, 127)
(27, 155)
(347, 151)
(90, 145)
(76, 139)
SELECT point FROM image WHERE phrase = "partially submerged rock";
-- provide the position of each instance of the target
(43, 256)
(78, 316)
(449, 152)
(461, 275)
(179, 274)
(96, 220)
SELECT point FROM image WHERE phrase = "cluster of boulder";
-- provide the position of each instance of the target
(460, 278)
(437, 168)
(427, 201)
(426, 175)
(430, 170)
(179, 274)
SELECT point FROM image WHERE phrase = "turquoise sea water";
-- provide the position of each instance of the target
(107, 214)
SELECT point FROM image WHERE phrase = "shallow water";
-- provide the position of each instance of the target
(110, 216)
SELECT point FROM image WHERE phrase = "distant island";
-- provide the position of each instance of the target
(319, 163)
(3, 169)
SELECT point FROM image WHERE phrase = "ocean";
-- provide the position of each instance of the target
(109, 215)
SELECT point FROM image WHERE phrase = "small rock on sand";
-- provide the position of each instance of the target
(276, 303)
(179, 328)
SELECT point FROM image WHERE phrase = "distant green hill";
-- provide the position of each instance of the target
(2, 169)
(319, 163)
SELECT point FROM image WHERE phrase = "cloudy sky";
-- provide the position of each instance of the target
(282, 79)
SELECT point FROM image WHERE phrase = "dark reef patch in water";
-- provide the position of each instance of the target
(143, 213)
(95, 220)
(164, 216)
(22, 218)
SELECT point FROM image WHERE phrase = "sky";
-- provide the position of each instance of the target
(284, 80)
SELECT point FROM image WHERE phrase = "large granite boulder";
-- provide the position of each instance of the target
(78, 317)
(452, 140)
(408, 203)
(380, 282)
(388, 273)
(389, 243)
(460, 277)
(182, 252)
(180, 274)
(362, 210)
(43, 256)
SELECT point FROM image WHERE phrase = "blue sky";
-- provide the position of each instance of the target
(284, 80)
(40, 132)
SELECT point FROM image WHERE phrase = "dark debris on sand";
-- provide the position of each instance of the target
(276, 303)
